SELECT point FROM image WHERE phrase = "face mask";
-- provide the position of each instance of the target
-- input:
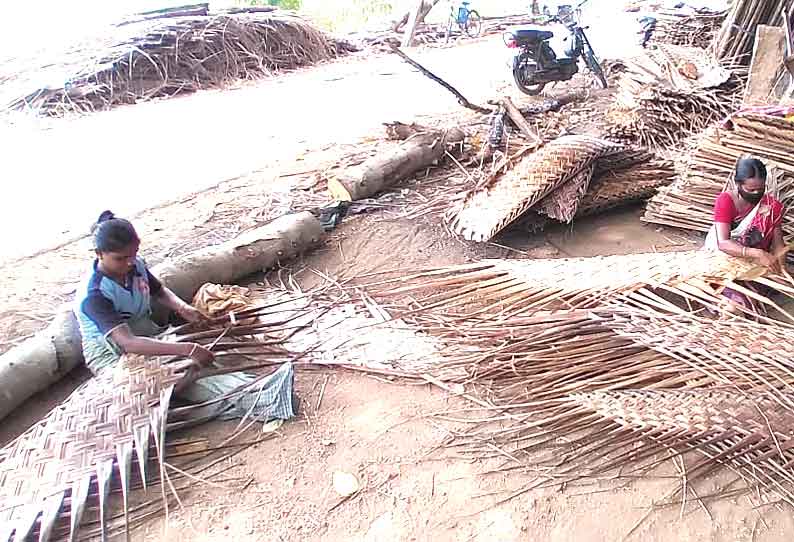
(750, 197)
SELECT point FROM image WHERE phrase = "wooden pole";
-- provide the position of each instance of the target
(461, 98)
(408, 38)
(519, 120)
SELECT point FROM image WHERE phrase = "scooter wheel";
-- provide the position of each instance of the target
(532, 90)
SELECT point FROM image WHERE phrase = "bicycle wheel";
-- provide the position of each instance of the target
(473, 25)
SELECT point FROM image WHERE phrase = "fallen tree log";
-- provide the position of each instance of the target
(45, 358)
(416, 153)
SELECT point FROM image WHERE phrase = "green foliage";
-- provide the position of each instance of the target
(348, 16)
(285, 4)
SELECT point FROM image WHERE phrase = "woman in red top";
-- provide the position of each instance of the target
(747, 222)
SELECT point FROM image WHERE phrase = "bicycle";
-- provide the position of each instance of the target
(468, 20)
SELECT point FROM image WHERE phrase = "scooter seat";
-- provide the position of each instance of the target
(532, 34)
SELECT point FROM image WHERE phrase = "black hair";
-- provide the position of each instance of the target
(748, 168)
(113, 234)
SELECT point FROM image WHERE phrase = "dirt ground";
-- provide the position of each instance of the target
(383, 432)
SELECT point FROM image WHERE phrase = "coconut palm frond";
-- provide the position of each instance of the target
(48, 471)
(520, 287)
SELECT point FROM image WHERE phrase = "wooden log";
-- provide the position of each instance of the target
(767, 65)
(45, 358)
(378, 173)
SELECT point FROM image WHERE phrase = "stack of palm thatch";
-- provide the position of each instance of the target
(689, 202)
(734, 42)
(614, 184)
(690, 30)
(167, 56)
(602, 366)
(567, 177)
(669, 93)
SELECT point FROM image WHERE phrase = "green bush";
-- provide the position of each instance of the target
(285, 4)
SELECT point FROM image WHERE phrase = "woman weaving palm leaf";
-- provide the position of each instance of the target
(114, 310)
(747, 224)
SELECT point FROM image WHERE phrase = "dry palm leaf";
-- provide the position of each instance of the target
(625, 433)
(50, 469)
(521, 287)
(669, 92)
(488, 209)
(617, 386)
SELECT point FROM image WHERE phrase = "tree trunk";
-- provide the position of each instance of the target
(426, 7)
(53, 352)
(413, 21)
(380, 172)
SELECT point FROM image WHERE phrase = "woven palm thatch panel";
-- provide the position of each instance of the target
(487, 210)
(748, 355)
(618, 180)
(750, 432)
(513, 287)
(636, 184)
(689, 202)
(46, 473)
(563, 203)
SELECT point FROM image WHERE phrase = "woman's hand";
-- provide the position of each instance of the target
(200, 355)
(767, 260)
(190, 313)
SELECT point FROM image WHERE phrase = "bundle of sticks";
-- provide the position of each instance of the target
(691, 30)
(735, 39)
(689, 202)
(669, 93)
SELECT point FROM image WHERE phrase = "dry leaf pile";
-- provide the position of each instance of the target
(165, 57)
(668, 93)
